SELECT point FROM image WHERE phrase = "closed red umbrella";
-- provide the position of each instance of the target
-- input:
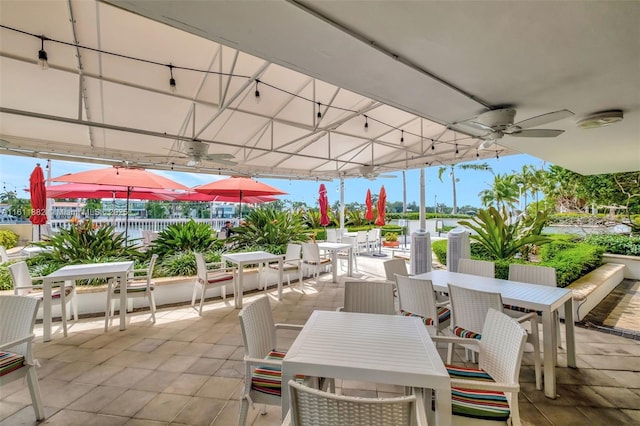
(368, 215)
(382, 203)
(323, 200)
(38, 198)
(238, 186)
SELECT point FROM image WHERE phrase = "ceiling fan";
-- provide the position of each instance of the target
(195, 152)
(369, 172)
(500, 122)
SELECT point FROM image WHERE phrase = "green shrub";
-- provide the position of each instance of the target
(571, 260)
(268, 228)
(391, 237)
(180, 237)
(439, 248)
(8, 238)
(616, 244)
(182, 263)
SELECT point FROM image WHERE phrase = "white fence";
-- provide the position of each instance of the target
(137, 225)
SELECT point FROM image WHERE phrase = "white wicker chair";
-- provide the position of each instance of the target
(291, 262)
(262, 360)
(311, 407)
(137, 286)
(500, 348)
(23, 286)
(482, 268)
(207, 279)
(17, 318)
(332, 235)
(373, 239)
(416, 297)
(6, 257)
(362, 242)
(542, 275)
(312, 259)
(344, 255)
(469, 310)
(393, 267)
(368, 297)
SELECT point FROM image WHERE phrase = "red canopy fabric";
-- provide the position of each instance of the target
(38, 197)
(382, 203)
(199, 196)
(368, 215)
(323, 201)
(121, 176)
(89, 190)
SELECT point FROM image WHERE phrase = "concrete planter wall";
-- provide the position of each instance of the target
(632, 264)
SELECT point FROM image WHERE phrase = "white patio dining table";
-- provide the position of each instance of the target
(334, 248)
(375, 348)
(531, 296)
(249, 258)
(117, 270)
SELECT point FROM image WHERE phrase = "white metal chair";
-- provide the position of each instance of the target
(18, 316)
(368, 297)
(482, 268)
(395, 266)
(491, 391)
(23, 286)
(311, 407)
(416, 298)
(291, 262)
(262, 360)
(6, 257)
(541, 275)
(312, 259)
(137, 286)
(344, 255)
(207, 279)
(469, 310)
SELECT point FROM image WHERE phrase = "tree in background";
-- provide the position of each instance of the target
(502, 194)
(157, 210)
(92, 208)
(454, 180)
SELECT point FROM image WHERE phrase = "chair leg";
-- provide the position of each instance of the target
(152, 303)
(34, 390)
(223, 292)
(535, 340)
(202, 299)
(108, 312)
(449, 353)
(193, 296)
(63, 310)
(74, 301)
(244, 409)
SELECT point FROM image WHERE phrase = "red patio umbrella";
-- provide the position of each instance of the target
(368, 215)
(382, 203)
(89, 190)
(199, 196)
(38, 198)
(239, 187)
(323, 201)
(126, 177)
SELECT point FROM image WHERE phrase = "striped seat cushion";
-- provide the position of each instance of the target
(478, 404)
(443, 315)
(285, 266)
(10, 361)
(268, 379)
(468, 334)
(520, 309)
(135, 288)
(217, 278)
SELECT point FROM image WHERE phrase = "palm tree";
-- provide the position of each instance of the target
(441, 170)
(503, 193)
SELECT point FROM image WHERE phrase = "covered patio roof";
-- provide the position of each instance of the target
(416, 74)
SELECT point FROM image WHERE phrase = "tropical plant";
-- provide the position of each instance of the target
(391, 237)
(355, 218)
(187, 236)
(503, 193)
(8, 239)
(86, 242)
(454, 180)
(311, 218)
(269, 228)
(502, 236)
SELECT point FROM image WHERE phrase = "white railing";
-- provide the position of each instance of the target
(137, 225)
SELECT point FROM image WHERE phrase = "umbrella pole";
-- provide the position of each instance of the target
(240, 218)
(126, 219)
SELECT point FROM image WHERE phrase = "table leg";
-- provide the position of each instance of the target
(280, 278)
(548, 330)
(350, 265)
(570, 331)
(46, 311)
(443, 406)
(284, 398)
(122, 279)
(334, 265)
(239, 287)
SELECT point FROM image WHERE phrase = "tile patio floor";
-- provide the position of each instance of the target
(187, 370)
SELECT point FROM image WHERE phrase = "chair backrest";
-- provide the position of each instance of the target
(369, 297)
(469, 307)
(17, 316)
(501, 347)
(310, 252)
(201, 266)
(542, 275)
(350, 240)
(481, 268)
(152, 265)
(293, 252)
(315, 407)
(416, 296)
(21, 278)
(258, 328)
(4, 257)
(362, 237)
(393, 267)
(332, 235)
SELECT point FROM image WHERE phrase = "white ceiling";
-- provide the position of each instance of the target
(421, 67)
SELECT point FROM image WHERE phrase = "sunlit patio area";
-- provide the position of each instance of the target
(188, 369)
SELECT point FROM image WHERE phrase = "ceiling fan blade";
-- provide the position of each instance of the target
(387, 176)
(219, 160)
(537, 133)
(480, 125)
(539, 120)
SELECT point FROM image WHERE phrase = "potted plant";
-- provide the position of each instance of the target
(391, 240)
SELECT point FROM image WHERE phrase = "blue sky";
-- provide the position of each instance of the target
(15, 171)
